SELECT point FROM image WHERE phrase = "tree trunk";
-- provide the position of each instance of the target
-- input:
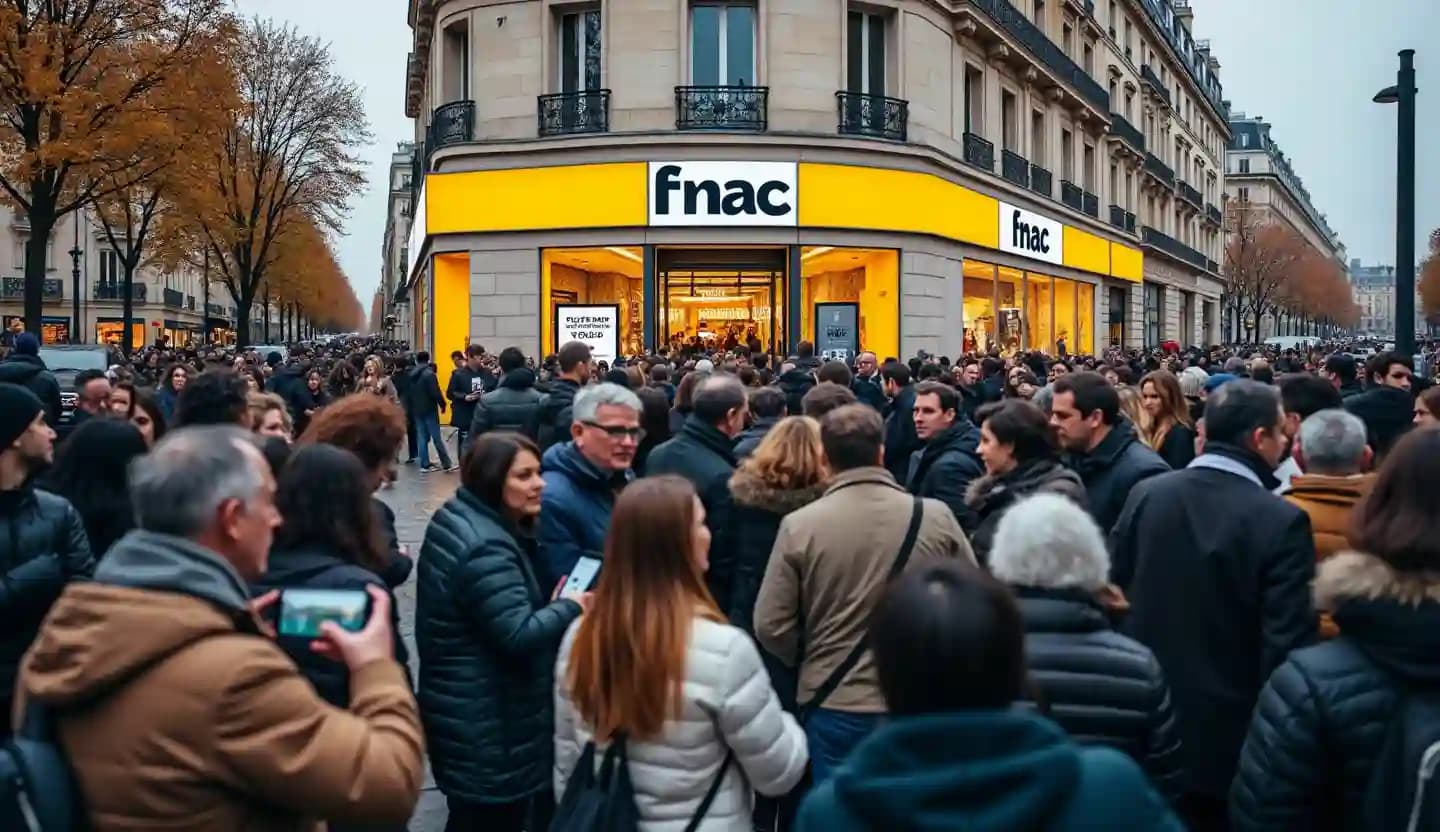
(42, 222)
(243, 305)
(127, 308)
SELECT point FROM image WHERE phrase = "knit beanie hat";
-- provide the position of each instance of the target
(18, 408)
(27, 344)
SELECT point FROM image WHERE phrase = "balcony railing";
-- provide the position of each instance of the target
(564, 113)
(190, 302)
(1117, 216)
(721, 108)
(14, 287)
(1130, 221)
(452, 123)
(214, 310)
(1041, 182)
(1018, 26)
(1159, 169)
(1015, 167)
(1071, 195)
(1092, 204)
(1190, 194)
(1122, 129)
(862, 114)
(979, 152)
(1172, 247)
(1212, 213)
(174, 298)
(1148, 76)
(116, 291)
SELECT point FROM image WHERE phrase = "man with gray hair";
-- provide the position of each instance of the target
(582, 477)
(181, 681)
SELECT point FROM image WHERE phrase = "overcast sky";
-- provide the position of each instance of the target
(1310, 67)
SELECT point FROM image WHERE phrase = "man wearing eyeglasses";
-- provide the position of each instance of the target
(583, 476)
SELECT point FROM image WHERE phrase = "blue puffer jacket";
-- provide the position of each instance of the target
(575, 510)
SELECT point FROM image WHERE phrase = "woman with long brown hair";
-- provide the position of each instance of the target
(1165, 425)
(652, 674)
(374, 380)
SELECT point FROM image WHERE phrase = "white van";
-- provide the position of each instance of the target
(1292, 342)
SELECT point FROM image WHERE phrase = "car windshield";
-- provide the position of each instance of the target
(73, 360)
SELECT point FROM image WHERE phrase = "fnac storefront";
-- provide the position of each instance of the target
(634, 256)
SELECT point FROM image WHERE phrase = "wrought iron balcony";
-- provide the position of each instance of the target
(1159, 169)
(564, 113)
(1015, 167)
(116, 291)
(1018, 26)
(1092, 204)
(1148, 76)
(1190, 194)
(1130, 221)
(1171, 246)
(1213, 214)
(1041, 182)
(1117, 216)
(721, 108)
(174, 298)
(862, 114)
(14, 287)
(452, 123)
(979, 152)
(1122, 129)
(1071, 195)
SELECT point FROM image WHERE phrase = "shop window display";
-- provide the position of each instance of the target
(869, 278)
(979, 306)
(1039, 331)
(1010, 294)
(595, 276)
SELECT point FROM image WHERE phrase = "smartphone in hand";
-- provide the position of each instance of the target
(302, 611)
(581, 578)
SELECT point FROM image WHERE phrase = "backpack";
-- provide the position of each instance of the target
(606, 803)
(38, 792)
(1404, 788)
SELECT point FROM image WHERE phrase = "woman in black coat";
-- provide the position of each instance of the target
(308, 400)
(1166, 427)
(488, 634)
(1018, 450)
(1102, 687)
(1316, 738)
(91, 471)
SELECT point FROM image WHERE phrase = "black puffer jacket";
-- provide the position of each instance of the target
(1112, 470)
(1321, 719)
(30, 372)
(901, 442)
(795, 384)
(513, 406)
(487, 637)
(990, 496)
(706, 457)
(42, 547)
(556, 412)
(946, 466)
(1100, 686)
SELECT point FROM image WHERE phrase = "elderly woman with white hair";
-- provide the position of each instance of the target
(1102, 687)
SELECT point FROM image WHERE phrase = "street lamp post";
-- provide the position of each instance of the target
(1403, 93)
(75, 254)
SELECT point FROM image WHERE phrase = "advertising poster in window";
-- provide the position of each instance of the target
(595, 325)
(837, 331)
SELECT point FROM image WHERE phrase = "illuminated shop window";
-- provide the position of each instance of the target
(867, 277)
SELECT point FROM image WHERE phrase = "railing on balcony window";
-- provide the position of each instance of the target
(1014, 22)
(1092, 204)
(1015, 167)
(862, 114)
(1148, 76)
(116, 291)
(1190, 194)
(1130, 221)
(1212, 213)
(979, 152)
(563, 113)
(1117, 216)
(174, 298)
(721, 108)
(1071, 195)
(14, 287)
(1173, 247)
(1121, 128)
(1159, 169)
(1041, 181)
(452, 123)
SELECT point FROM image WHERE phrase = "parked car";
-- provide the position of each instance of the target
(66, 361)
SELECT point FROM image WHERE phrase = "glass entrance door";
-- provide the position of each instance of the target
(706, 310)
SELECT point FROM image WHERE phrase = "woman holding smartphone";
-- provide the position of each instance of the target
(654, 672)
(487, 633)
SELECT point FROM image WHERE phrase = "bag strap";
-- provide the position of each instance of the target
(832, 682)
(699, 815)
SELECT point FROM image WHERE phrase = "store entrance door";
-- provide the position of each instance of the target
(722, 299)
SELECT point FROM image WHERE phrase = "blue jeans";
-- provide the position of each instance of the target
(427, 430)
(832, 736)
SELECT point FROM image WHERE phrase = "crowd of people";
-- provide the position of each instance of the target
(1155, 589)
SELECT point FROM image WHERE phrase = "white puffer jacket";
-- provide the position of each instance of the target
(727, 702)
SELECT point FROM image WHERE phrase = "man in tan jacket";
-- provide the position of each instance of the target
(829, 566)
(175, 706)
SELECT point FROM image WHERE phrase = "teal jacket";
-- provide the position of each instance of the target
(983, 771)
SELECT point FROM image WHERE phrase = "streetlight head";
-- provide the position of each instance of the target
(1389, 95)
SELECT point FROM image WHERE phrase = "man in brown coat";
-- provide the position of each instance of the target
(829, 566)
(1331, 452)
(175, 706)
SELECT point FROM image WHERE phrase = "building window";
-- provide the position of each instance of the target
(456, 62)
(1129, 40)
(580, 51)
(1244, 195)
(1089, 60)
(1037, 137)
(1089, 168)
(722, 45)
(1130, 107)
(110, 272)
(1154, 311)
(974, 99)
(1115, 184)
(1067, 40)
(1244, 140)
(1067, 156)
(1244, 165)
(865, 70)
(1009, 121)
(1040, 14)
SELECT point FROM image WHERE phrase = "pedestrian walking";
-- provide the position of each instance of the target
(424, 396)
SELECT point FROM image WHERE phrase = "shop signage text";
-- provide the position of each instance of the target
(597, 326)
(1032, 235)
(723, 193)
(837, 331)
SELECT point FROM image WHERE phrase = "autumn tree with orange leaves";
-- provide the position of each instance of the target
(307, 281)
(1270, 270)
(86, 86)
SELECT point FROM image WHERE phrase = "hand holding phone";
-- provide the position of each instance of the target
(304, 611)
(581, 577)
(357, 649)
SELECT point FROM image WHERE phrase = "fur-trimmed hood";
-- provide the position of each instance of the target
(1392, 616)
(1035, 476)
(1357, 576)
(749, 489)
